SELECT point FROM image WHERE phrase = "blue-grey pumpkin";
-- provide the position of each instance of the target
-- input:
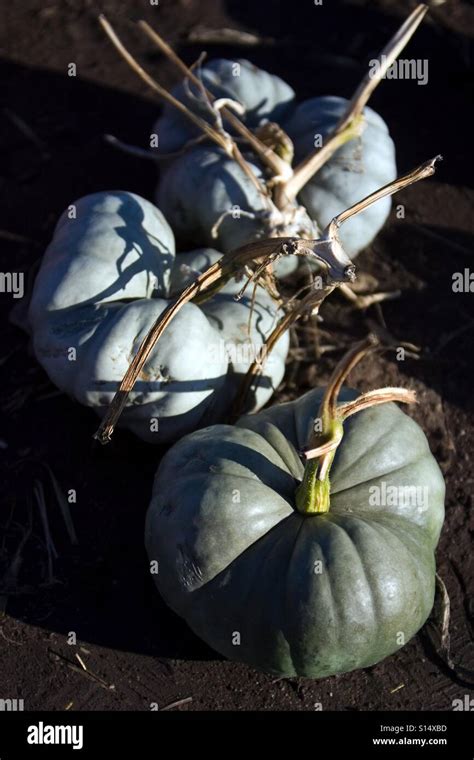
(264, 97)
(357, 169)
(287, 593)
(203, 185)
(199, 188)
(209, 199)
(103, 282)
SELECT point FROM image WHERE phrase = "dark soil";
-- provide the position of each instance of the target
(135, 650)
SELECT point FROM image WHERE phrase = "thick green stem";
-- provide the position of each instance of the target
(312, 495)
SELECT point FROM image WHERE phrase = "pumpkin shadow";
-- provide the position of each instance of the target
(155, 261)
(101, 588)
(70, 118)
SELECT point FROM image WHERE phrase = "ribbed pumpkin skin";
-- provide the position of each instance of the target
(357, 169)
(230, 318)
(264, 96)
(246, 565)
(103, 282)
(197, 187)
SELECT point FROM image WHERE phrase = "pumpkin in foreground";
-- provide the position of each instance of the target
(272, 564)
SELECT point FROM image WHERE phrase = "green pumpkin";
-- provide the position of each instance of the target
(298, 594)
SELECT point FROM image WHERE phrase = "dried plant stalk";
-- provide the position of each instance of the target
(421, 172)
(310, 303)
(277, 165)
(350, 121)
(223, 140)
(427, 169)
(338, 266)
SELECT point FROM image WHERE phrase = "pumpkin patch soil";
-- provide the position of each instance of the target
(99, 592)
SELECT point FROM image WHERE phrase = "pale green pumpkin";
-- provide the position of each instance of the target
(290, 593)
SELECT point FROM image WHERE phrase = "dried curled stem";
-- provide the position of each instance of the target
(328, 407)
(330, 410)
(222, 139)
(427, 169)
(374, 398)
(350, 123)
(312, 301)
(268, 157)
(325, 452)
(336, 263)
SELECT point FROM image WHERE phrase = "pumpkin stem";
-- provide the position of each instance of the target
(286, 192)
(313, 494)
(351, 122)
(266, 154)
(328, 251)
(215, 133)
(209, 282)
(427, 169)
(203, 125)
